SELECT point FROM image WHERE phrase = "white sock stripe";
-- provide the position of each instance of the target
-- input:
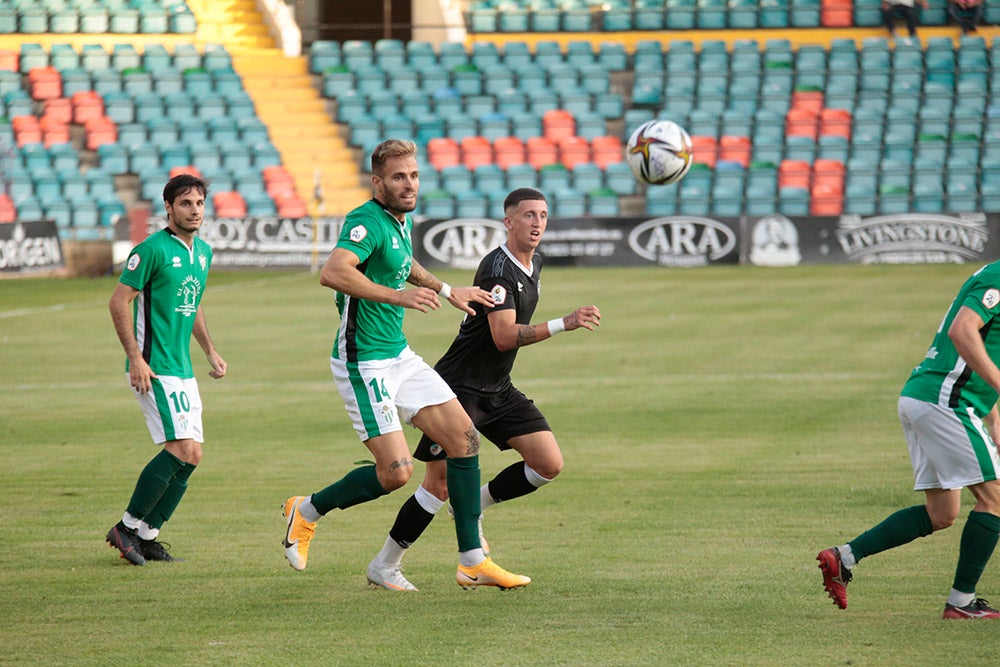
(428, 500)
(534, 478)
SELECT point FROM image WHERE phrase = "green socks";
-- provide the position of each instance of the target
(171, 498)
(463, 490)
(897, 529)
(154, 480)
(979, 538)
(356, 487)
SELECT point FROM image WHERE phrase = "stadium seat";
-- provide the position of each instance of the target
(509, 151)
(618, 176)
(437, 204)
(521, 175)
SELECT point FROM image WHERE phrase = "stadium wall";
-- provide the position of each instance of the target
(681, 241)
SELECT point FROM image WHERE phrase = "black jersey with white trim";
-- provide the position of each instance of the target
(473, 363)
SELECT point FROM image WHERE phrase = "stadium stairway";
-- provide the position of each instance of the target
(287, 102)
(235, 23)
(301, 128)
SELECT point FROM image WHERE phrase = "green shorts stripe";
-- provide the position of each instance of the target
(163, 407)
(980, 445)
(363, 398)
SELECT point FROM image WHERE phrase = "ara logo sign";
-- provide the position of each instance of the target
(682, 240)
(462, 242)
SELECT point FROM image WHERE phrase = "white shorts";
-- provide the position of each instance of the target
(949, 449)
(172, 409)
(380, 394)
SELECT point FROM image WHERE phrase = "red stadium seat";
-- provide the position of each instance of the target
(826, 199)
(100, 130)
(542, 151)
(835, 122)
(705, 150)
(443, 152)
(10, 60)
(508, 151)
(836, 13)
(573, 151)
(45, 83)
(189, 170)
(8, 212)
(291, 206)
(802, 122)
(794, 174)
(807, 99)
(229, 205)
(606, 150)
(27, 130)
(59, 109)
(86, 105)
(476, 151)
(557, 124)
(734, 148)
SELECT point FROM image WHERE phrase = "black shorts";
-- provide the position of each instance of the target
(498, 418)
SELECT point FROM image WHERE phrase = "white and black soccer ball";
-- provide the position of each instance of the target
(659, 152)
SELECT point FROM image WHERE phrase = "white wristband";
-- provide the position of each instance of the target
(556, 326)
(445, 290)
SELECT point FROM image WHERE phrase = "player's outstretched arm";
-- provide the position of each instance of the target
(459, 297)
(508, 334)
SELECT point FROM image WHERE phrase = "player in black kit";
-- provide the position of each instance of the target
(477, 367)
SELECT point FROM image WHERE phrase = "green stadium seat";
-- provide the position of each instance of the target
(124, 20)
(182, 21)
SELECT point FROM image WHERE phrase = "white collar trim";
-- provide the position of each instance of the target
(528, 270)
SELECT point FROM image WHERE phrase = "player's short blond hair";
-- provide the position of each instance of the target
(389, 149)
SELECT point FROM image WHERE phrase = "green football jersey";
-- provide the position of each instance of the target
(372, 330)
(171, 279)
(943, 376)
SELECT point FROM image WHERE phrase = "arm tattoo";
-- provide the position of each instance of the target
(526, 335)
(420, 277)
(472, 442)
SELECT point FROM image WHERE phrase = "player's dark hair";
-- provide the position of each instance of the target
(520, 195)
(182, 184)
(388, 149)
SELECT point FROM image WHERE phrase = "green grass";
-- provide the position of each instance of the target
(721, 427)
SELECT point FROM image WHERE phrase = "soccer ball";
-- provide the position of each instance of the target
(659, 152)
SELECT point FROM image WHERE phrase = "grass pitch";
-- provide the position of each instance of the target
(722, 426)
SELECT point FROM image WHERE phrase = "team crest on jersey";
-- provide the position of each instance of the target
(188, 294)
(388, 414)
(991, 298)
(499, 294)
(133, 262)
(358, 233)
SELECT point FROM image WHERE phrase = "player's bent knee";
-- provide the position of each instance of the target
(395, 478)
